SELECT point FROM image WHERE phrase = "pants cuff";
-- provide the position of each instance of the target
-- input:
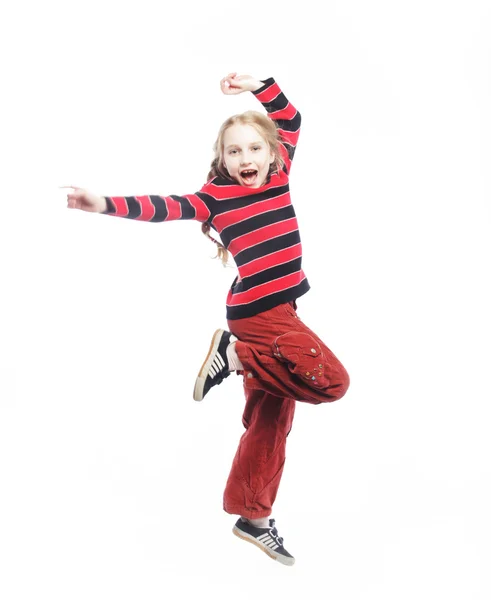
(247, 514)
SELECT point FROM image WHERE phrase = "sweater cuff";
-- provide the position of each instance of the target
(266, 83)
(111, 209)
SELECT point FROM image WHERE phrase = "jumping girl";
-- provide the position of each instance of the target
(247, 202)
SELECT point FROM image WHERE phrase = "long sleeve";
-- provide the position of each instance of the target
(285, 115)
(159, 208)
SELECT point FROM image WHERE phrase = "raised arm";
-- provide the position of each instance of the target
(279, 109)
(285, 115)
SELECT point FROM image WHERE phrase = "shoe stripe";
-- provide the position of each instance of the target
(217, 365)
(219, 361)
(215, 368)
(267, 540)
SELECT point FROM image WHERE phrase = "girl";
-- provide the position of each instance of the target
(247, 201)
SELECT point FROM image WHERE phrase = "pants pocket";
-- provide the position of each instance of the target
(303, 355)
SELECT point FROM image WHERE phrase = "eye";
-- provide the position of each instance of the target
(256, 148)
(233, 151)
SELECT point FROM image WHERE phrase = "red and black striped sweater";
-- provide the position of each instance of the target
(258, 226)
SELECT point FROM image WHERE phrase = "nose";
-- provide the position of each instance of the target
(245, 160)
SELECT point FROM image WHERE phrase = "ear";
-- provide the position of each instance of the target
(271, 158)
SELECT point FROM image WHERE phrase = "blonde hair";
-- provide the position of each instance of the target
(222, 252)
(268, 131)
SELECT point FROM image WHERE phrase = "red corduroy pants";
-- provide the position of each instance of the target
(284, 361)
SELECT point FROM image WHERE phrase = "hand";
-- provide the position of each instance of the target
(85, 200)
(236, 84)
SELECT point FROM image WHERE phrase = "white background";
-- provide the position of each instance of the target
(111, 477)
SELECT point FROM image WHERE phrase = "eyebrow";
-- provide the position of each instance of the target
(237, 146)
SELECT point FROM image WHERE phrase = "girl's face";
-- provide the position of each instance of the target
(246, 155)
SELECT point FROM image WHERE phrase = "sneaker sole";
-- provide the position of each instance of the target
(201, 379)
(284, 560)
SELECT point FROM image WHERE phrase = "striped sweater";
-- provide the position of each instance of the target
(258, 226)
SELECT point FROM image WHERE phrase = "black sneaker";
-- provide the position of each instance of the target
(266, 538)
(216, 367)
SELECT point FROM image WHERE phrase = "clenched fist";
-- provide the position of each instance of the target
(236, 84)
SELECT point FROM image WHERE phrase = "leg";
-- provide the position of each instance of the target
(283, 357)
(258, 464)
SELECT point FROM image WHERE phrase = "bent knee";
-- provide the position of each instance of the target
(337, 387)
(340, 386)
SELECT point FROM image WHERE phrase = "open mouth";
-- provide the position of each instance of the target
(248, 176)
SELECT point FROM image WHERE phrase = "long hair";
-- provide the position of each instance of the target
(268, 131)
(222, 252)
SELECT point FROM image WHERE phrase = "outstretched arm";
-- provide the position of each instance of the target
(141, 208)
(279, 109)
